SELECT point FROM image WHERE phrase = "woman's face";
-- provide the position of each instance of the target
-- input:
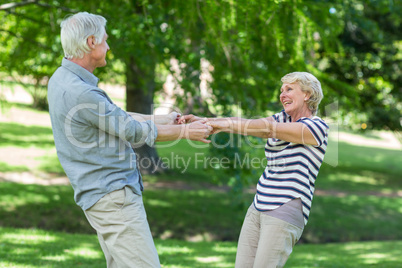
(293, 99)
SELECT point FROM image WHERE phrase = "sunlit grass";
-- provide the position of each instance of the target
(31, 237)
(347, 177)
(159, 203)
(353, 218)
(36, 248)
(10, 202)
(18, 135)
(5, 167)
(352, 254)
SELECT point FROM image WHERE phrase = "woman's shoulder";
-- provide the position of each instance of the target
(320, 120)
(282, 117)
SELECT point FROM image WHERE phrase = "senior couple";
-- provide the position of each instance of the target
(95, 139)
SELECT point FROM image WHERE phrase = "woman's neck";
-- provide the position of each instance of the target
(297, 116)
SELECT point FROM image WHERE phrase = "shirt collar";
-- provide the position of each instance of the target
(84, 74)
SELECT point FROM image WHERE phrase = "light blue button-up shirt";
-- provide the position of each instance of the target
(94, 138)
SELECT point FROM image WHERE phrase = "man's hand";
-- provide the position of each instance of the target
(198, 131)
(173, 118)
(189, 118)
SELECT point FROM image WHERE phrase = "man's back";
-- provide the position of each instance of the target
(93, 136)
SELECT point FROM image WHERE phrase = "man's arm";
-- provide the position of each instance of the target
(166, 119)
(264, 128)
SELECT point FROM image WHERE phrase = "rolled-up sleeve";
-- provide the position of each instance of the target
(148, 134)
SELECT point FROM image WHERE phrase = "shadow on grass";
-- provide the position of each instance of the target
(36, 248)
(174, 253)
(362, 169)
(369, 158)
(4, 167)
(203, 215)
(354, 218)
(12, 134)
(43, 207)
(194, 215)
(51, 164)
(188, 215)
(354, 179)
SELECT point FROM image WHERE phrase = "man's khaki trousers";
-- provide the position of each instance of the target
(120, 221)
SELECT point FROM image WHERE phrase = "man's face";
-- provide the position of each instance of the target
(99, 52)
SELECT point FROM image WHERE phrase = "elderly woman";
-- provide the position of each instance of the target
(297, 141)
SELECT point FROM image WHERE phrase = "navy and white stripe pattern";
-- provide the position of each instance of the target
(292, 168)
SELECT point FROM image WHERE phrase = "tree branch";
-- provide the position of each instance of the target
(36, 2)
(18, 4)
(19, 36)
(25, 17)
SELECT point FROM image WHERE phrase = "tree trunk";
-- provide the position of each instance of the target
(140, 87)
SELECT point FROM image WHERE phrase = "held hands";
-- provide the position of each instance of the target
(262, 127)
(198, 125)
(198, 131)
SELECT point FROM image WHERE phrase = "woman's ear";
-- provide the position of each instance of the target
(307, 96)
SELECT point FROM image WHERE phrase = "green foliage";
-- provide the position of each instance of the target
(353, 47)
(28, 47)
(4, 167)
(370, 60)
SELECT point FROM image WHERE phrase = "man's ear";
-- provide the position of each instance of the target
(91, 42)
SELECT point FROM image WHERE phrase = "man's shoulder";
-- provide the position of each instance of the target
(64, 79)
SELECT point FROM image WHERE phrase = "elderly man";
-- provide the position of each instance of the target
(94, 140)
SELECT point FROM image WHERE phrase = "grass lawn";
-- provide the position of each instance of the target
(38, 248)
(203, 215)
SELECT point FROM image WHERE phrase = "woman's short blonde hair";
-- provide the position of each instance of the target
(75, 30)
(308, 83)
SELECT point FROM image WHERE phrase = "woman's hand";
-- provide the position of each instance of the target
(189, 118)
(221, 124)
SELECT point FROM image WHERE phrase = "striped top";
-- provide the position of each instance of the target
(292, 168)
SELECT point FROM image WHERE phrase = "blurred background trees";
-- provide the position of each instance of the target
(353, 47)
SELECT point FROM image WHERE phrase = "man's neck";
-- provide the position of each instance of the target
(84, 63)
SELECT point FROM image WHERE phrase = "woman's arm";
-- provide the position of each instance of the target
(264, 128)
(293, 132)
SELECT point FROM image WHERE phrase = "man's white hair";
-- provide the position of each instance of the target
(308, 83)
(75, 30)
